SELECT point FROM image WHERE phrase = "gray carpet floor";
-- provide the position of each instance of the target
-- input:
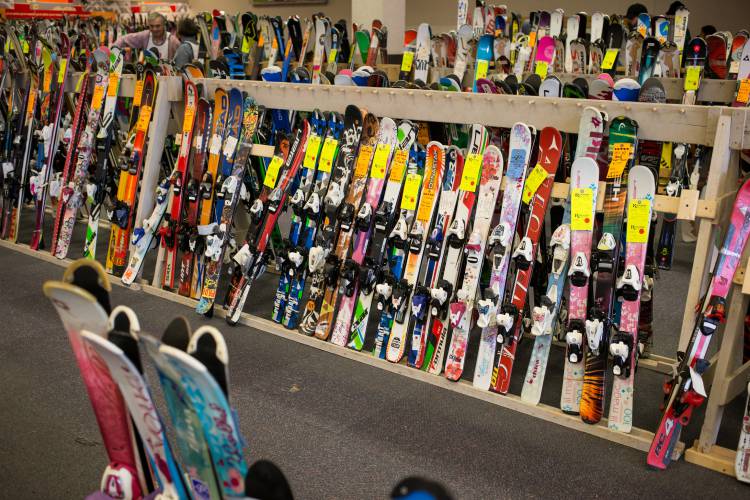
(336, 427)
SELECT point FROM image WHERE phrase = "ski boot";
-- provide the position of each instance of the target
(574, 340)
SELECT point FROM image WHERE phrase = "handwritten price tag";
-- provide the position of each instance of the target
(482, 67)
(144, 117)
(47, 85)
(639, 219)
(327, 155)
(407, 61)
(398, 165)
(470, 175)
(114, 85)
(363, 161)
(533, 181)
(272, 173)
(582, 209)
(98, 97)
(541, 69)
(610, 58)
(380, 161)
(62, 70)
(138, 94)
(692, 77)
(621, 153)
(532, 39)
(411, 191)
(743, 92)
(311, 152)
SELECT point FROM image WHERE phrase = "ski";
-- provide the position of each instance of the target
(499, 245)
(536, 193)
(742, 460)
(461, 310)
(685, 391)
(624, 343)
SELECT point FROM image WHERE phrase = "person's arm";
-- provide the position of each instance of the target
(174, 44)
(137, 40)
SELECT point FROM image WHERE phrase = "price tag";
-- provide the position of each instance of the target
(610, 57)
(272, 173)
(532, 39)
(426, 202)
(743, 92)
(187, 122)
(332, 56)
(398, 165)
(215, 145)
(734, 67)
(114, 85)
(639, 219)
(533, 181)
(198, 141)
(30, 106)
(138, 94)
(245, 45)
(230, 144)
(541, 69)
(470, 175)
(411, 191)
(582, 209)
(144, 117)
(62, 70)
(407, 61)
(47, 85)
(98, 97)
(692, 77)
(363, 161)
(642, 30)
(620, 156)
(326, 156)
(311, 151)
(665, 164)
(79, 83)
(380, 161)
(482, 67)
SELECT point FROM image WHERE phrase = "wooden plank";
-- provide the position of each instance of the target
(717, 458)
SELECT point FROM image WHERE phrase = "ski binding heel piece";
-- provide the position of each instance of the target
(621, 348)
(487, 309)
(523, 253)
(505, 319)
(594, 334)
(542, 318)
(574, 340)
(629, 284)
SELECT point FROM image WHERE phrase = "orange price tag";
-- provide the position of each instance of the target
(363, 161)
(743, 92)
(621, 153)
(138, 94)
(114, 85)
(144, 117)
(98, 97)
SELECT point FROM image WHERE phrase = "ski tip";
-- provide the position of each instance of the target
(90, 275)
(123, 319)
(177, 334)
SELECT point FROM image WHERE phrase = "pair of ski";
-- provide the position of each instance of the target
(192, 370)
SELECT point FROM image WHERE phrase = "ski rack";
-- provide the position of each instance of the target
(727, 130)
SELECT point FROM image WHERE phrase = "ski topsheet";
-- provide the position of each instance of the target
(537, 192)
(742, 460)
(461, 310)
(500, 243)
(624, 344)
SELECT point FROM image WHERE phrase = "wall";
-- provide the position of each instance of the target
(441, 14)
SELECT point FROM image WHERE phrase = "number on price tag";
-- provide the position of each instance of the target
(541, 69)
(692, 77)
(363, 161)
(620, 156)
(138, 94)
(533, 181)
(272, 173)
(610, 58)
(398, 165)
(411, 191)
(639, 219)
(582, 209)
(326, 156)
(407, 61)
(380, 161)
(144, 117)
(482, 67)
(470, 175)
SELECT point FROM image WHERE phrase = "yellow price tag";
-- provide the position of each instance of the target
(541, 69)
(47, 85)
(363, 161)
(743, 92)
(533, 181)
(332, 56)
(380, 161)
(532, 39)
(470, 175)
(407, 61)
(639, 220)
(665, 165)
(482, 67)
(621, 153)
(144, 117)
(326, 156)
(79, 83)
(610, 58)
(411, 191)
(398, 165)
(138, 93)
(62, 70)
(272, 172)
(245, 45)
(426, 202)
(114, 85)
(97, 97)
(692, 77)
(311, 151)
(582, 209)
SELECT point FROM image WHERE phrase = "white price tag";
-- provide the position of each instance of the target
(215, 146)
(229, 146)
